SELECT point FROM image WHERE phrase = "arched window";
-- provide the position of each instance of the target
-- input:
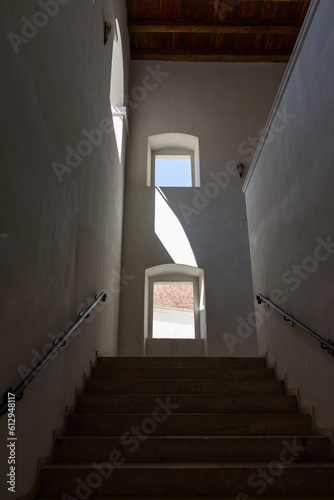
(117, 90)
(174, 302)
(117, 70)
(173, 160)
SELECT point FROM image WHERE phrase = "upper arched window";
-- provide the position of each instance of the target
(117, 90)
(117, 70)
(173, 160)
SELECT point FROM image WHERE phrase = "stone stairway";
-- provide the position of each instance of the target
(219, 428)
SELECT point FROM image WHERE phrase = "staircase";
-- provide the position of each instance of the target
(220, 428)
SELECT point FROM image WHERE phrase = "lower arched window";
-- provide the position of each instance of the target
(174, 302)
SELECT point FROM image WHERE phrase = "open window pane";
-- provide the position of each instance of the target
(173, 310)
(173, 171)
(119, 130)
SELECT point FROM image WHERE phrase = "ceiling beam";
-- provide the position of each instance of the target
(277, 1)
(202, 56)
(238, 28)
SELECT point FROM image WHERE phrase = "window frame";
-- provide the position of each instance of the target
(174, 278)
(173, 153)
(173, 144)
(116, 94)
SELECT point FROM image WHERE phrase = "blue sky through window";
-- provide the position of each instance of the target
(173, 172)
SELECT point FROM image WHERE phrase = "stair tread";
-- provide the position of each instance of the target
(103, 373)
(232, 372)
(203, 497)
(192, 413)
(195, 395)
(191, 465)
(227, 380)
(207, 437)
(183, 359)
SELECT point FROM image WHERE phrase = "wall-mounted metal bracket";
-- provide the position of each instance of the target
(330, 351)
(289, 320)
(107, 31)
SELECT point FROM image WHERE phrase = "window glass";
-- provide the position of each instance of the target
(173, 310)
(173, 171)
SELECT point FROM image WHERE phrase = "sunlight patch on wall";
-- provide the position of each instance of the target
(119, 129)
(171, 233)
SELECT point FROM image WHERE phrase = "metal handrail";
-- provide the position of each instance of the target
(58, 343)
(328, 345)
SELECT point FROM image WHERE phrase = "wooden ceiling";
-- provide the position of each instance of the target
(215, 30)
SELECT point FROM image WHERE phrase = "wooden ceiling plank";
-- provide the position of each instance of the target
(223, 55)
(212, 57)
(240, 28)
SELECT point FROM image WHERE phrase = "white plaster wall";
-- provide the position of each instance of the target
(63, 240)
(290, 206)
(225, 105)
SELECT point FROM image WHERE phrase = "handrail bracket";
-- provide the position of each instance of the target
(327, 345)
(289, 320)
(328, 349)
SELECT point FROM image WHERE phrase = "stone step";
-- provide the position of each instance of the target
(161, 424)
(191, 449)
(313, 478)
(205, 387)
(197, 362)
(223, 373)
(206, 497)
(187, 403)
